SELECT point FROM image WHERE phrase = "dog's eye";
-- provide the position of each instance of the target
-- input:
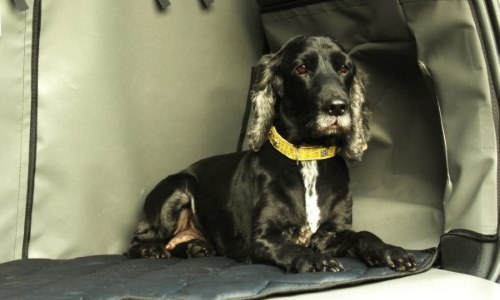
(343, 69)
(301, 70)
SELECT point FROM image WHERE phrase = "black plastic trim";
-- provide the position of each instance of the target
(163, 4)
(467, 252)
(472, 235)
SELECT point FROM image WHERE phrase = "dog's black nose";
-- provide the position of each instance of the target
(336, 107)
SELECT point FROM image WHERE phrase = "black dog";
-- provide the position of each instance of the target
(287, 202)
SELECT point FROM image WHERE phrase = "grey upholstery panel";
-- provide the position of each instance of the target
(351, 22)
(15, 109)
(129, 94)
(398, 187)
(450, 47)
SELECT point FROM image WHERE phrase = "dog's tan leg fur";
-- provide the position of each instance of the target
(186, 230)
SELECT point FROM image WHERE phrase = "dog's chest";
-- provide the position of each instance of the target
(310, 174)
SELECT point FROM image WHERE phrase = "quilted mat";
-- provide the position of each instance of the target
(118, 277)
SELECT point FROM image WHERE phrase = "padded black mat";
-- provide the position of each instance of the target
(118, 277)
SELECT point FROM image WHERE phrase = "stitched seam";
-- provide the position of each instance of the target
(21, 141)
(32, 148)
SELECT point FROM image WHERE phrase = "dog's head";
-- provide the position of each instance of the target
(312, 88)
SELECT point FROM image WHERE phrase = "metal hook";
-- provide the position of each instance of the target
(163, 4)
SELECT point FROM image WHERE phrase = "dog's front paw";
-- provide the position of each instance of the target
(316, 263)
(393, 257)
(193, 249)
(150, 250)
(199, 248)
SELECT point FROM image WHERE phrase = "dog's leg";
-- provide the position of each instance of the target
(279, 248)
(148, 241)
(162, 209)
(365, 246)
(188, 241)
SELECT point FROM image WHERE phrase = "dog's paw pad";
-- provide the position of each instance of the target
(199, 248)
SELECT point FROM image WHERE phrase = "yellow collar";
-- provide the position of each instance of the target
(299, 153)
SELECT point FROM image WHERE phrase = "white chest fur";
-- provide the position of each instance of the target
(310, 175)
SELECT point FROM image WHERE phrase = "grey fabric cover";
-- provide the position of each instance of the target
(117, 277)
(127, 94)
(15, 99)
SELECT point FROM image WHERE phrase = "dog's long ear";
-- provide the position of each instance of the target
(265, 88)
(357, 141)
